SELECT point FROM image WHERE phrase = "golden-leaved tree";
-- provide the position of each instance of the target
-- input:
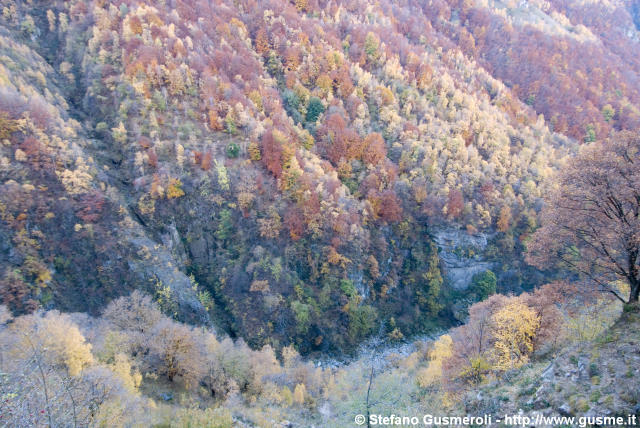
(441, 352)
(515, 327)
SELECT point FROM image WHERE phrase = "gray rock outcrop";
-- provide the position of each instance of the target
(461, 254)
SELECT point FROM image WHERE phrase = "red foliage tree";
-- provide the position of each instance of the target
(390, 208)
(339, 141)
(153, 158)
(37, 154)
(205, 164)
(271, 150)
(293, 221)
(375, 149)
(455, 203)
(91, 207)
(144, 142)
(13, 293)
(591, 222)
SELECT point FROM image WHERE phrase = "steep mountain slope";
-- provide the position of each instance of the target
(285, 167)
(67, 240)
(574, 62)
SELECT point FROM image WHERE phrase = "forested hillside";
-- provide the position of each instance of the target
(305, 176)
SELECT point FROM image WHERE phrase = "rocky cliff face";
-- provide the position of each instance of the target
(462, 255)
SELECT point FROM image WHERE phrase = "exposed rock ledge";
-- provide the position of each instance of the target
(461, 254)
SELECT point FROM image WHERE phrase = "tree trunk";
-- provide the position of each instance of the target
(635, 291)
(368, 394)
(634, 277)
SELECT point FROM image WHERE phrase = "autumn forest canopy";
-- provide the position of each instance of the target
(204, 201)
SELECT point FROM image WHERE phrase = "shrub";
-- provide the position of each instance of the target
(174, 190)
(314, 109)
(484, 284)
(233, 150)
(208, 418)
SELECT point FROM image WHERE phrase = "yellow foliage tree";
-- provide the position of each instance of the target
(515, 326)
(442, 351)
(290, 357)
(76, 181)
(299, 393)
(287, 397)
(119, 133)
(505, 219)
(475, 372)
(270, 226)
(260, 285)
(51, 17)
(57, 337)
(254, 151)
(122, 367)
(302, 5)
(174, 190)
(176, 347)
(223, 177)
(324, 84)
(61, 334)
